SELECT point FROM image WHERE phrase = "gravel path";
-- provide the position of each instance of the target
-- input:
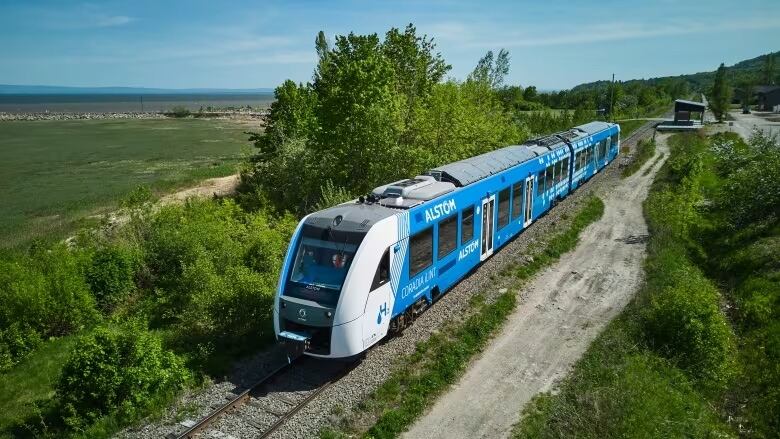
(337, 401)
(561, 311)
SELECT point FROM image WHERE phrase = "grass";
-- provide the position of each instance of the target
(655, 162)
(31, 381)
(54, 174)
(645, 150)
(629, 126)
(441, 360)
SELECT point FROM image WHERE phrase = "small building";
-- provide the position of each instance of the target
(764, 97)
(682, 116)
(768, 98)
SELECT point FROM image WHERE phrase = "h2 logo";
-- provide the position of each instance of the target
(382, 311)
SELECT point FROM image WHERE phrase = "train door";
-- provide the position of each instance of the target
(529, 201)
(488, 205)
(597, 153)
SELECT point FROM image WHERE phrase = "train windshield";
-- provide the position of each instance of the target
(321, 264)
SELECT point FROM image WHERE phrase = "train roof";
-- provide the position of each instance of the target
(360, 216)
(354, 217)
(465, 172)
(594, 127)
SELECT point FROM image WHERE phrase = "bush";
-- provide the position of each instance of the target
(179, 111)
(683, 322)
(118, 371)
(111, 275)
(16, 341)
(45, 293)
(226, 307)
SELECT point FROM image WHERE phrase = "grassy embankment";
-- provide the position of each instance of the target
(441, 360)
(56, 173)
(645, 150)
(696, 353)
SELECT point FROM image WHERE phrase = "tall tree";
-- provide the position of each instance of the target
(359, 111)
(490, 70)
(747, 92)
(768, 69)
(720, 95)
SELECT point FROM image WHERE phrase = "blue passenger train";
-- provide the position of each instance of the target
(355, 272)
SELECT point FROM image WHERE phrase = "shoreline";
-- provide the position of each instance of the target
(36, 116)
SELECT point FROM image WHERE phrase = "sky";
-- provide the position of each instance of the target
(256, 44)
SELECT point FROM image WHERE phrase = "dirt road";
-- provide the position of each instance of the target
(560, 312)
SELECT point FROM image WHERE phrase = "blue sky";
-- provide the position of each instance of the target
(250, 44)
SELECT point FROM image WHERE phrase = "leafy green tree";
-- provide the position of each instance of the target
(530, 93)
(359, 110)
(720, 95)
(491, 71)
(768, 69)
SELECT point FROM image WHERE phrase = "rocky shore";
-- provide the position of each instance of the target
(78, 116)
(129, 115)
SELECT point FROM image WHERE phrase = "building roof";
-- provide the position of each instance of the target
(765, 89)
(683, 105)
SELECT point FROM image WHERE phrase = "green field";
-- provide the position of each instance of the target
(54, 174)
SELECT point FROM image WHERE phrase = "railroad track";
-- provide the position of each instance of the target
(270, 402)
(288, 386)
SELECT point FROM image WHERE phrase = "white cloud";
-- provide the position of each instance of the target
(483, 36)
(113, 20)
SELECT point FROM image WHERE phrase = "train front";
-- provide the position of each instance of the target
(324, 284)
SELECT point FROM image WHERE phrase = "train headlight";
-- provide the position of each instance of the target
(284, 305)
(328, 314)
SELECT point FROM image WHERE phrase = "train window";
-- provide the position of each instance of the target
(421, 250)
(448, 235)
(382, 275)
(467, 225)
(517, 199)
(550, 175)
(566, 167)
(540, 184)
(503, 208)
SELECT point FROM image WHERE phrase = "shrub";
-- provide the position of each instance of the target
(16, 341)
(683, 322)
(111, 275)
(46, 292)
(225, 307)
(179, 111)
(116, 370)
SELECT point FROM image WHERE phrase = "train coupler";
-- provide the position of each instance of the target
(296, 343)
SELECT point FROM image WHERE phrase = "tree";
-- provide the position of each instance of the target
(530, 93)
(720, 95)
(359, 111)
(747, 93)
(768, 69)
(490, 71)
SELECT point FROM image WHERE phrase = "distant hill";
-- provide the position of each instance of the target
(702, 80)
(59, 90)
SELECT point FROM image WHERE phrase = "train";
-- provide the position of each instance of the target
(362, 270)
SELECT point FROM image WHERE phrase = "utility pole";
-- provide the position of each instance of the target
(611, 95)
(142, 103)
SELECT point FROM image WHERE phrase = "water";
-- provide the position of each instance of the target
(122, 103)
